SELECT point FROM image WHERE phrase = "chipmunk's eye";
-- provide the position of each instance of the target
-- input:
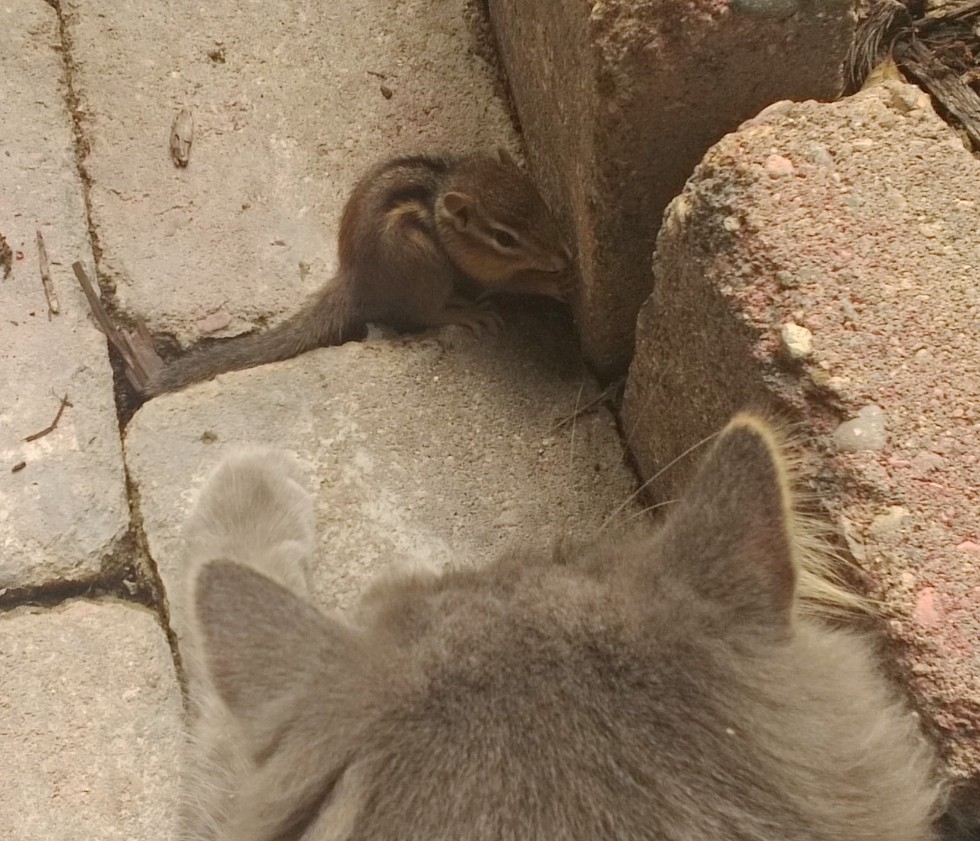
(504, 239)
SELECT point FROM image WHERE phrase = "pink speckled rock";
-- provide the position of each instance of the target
(618, 100)
(859, 221)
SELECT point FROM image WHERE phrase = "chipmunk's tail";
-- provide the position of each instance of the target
(330, 318)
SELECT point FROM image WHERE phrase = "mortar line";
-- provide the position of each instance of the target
(150, 590)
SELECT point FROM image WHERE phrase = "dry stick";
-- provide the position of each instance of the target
(953, 11)
(95, 304)
(139, 358)
(53, 425)
(874, 37)
(49, 293)
(582, 409)
(956, 96)
(141, 346)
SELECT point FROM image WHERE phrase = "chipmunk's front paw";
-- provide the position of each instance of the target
(482, 320)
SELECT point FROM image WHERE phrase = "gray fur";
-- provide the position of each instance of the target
(659, 686)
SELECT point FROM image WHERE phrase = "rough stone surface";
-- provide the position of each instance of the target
(437, 450)
(64, 510)
(619, 100)
(288, 111)
(89, 725)
(857, 220)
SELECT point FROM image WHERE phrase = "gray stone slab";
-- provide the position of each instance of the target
(435, 450)
(64, 510)
(288, 109)
(90, 719)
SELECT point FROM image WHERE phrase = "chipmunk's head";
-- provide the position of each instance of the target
(498, 230)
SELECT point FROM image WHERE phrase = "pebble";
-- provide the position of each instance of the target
(906, 98)
(214, 322)
(925, 463)
(820, 155)
(810, 274)
(853, 539)
(797, 341)
(680, 209)
(848, 311)
(885, 524)
(777, 166)
(864, 432)
(927, 609)
(786, 280)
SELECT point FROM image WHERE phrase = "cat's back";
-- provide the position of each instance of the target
(544, 697)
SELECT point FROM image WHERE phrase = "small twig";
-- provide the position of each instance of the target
(53, 425)
(601, 397)
(875, 37)
(46, 282)
(95, 304)
(956, 96)
(951, 12)
(140, 360)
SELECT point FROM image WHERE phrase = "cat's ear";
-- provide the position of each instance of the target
(294, 680)
(265, 648)
(731, 537)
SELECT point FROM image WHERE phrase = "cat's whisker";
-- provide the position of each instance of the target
(633, 496)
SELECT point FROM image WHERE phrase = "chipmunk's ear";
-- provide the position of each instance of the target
(458, 208)
(507, 158)
(730, 538)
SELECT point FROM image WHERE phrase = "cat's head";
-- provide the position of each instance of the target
(664, 685)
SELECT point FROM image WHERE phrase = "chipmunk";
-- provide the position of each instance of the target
(667, 685)
(420, 237)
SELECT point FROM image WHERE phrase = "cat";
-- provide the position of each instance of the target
(663, 685)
